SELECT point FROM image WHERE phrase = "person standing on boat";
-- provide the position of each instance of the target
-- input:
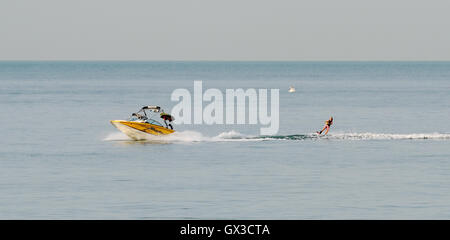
(327, 126)
(167, 117)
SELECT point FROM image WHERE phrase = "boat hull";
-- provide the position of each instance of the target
(140, 131)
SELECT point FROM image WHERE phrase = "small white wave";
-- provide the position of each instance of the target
(231, 135)
(116, 136)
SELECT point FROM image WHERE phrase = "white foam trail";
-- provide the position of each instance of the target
(184, 136)
(192, 136)
(389, 136)
(187, 136)
(233, 136)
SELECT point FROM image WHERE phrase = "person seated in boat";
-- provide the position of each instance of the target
(167, 117)
(327, 126)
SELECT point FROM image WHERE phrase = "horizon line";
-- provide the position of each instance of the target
(177, 60)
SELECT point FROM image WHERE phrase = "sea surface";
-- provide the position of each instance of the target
(387, 155)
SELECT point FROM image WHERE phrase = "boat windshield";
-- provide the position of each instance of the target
(143, 116)
(151, 121)
(133, 118)
(137, 118)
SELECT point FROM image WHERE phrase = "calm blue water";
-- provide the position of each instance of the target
(387, 156)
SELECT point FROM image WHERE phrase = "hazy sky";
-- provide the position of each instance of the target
(225, 30)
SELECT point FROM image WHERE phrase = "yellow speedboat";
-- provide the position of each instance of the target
(140, 124)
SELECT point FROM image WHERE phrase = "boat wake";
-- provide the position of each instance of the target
(233, 136)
